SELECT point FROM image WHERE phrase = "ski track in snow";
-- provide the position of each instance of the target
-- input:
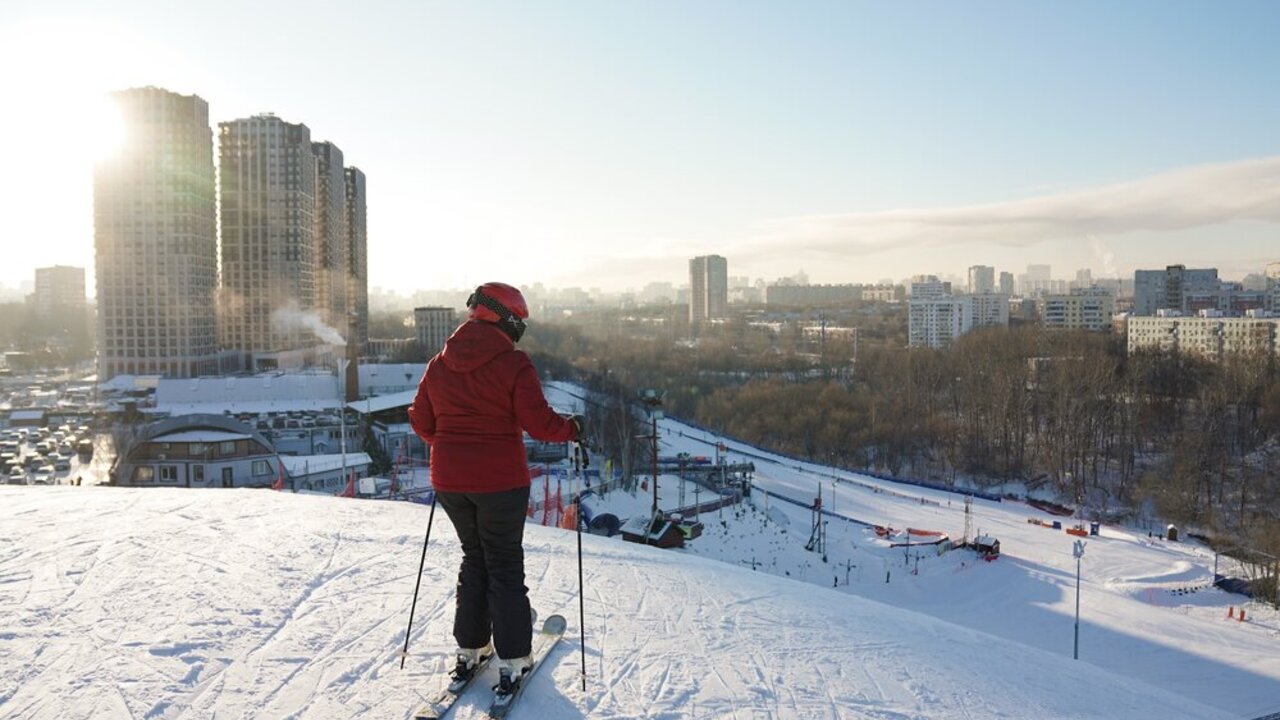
(164, 604)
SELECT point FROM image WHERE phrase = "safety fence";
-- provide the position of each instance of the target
(772, 456)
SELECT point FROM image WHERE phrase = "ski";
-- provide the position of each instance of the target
(543, 643)
(444, 700)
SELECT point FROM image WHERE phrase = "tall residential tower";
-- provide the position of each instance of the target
(331, 237)
(155, 240)
(708, 288)
(356, 242)
(268, 181)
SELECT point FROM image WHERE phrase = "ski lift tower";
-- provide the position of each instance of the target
(652, 400)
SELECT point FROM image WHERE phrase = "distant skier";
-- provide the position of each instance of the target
(474, 399)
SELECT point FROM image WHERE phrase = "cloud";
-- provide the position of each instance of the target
(1175, 200)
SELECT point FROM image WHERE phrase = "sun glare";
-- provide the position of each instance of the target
(104, 129)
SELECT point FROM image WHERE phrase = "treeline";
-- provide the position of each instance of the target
(1195, 442)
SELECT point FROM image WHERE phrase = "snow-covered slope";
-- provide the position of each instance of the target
(242, 603)
(1148, 610)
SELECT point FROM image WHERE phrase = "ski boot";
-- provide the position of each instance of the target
(468, 661)
(510, 673)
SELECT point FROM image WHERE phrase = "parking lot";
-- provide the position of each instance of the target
(62, 455)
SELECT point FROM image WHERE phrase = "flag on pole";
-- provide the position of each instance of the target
(279, 483)
(350, 490)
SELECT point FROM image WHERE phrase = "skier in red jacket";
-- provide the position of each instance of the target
(474, 400)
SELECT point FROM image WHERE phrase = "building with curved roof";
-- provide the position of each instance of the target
(197, 451)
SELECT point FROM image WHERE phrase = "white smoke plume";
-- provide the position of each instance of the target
(292, 317)
(1105, 256)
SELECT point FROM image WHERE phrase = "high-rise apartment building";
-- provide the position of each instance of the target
(434, 325)
(935, 317)
(1084, 309)
(989, 310)
(1173, 288)
(331, 252)
(59, 293)
(1006, 283)
(268, 205)
(155, 240)
(937, 320)
(356, 242)
(923, 286)
(708, 288)
(982, 279)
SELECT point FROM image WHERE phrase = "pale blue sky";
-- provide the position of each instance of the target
(602, 143)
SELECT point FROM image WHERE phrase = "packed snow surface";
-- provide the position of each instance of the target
(174, 603)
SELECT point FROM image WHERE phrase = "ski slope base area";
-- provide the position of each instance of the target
(159, 603)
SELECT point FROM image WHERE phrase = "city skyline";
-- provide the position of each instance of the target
(866, 143)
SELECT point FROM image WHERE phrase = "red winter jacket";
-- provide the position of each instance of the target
(474, 399)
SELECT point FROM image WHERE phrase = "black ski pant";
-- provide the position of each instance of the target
(492, 597)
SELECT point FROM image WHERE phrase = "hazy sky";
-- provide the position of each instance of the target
(602, 143)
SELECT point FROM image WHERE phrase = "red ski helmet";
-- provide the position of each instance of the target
(501, 304)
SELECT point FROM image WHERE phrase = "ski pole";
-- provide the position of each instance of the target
(421, 563)
(578, 454)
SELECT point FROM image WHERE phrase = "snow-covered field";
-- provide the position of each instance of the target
(175, 603)
(169, 603)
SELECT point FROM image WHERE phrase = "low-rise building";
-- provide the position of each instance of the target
(197, 451)
(1209, 335)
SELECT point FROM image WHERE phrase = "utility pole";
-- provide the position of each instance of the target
(1078, 552)
(342, 410)
(968, 518)
(652, 400)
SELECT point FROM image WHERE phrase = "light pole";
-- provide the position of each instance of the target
(652, 400)
(1077, 552)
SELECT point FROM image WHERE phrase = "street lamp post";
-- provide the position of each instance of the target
(1078, 553)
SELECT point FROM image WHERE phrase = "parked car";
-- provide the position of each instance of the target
(17, 475)
(62, 464)
(42, 478)
(85, 447)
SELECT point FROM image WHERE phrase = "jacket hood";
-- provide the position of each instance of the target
(473, 345)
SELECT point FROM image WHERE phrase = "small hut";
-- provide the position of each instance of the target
(662, 532)
(1171, 533)
(987, 546)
